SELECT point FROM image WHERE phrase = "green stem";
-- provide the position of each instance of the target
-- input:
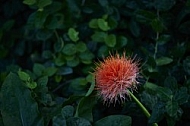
(145, 111)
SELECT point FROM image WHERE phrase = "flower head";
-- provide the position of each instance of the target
(114, 76)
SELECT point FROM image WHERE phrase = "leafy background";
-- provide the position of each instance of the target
(49, 47)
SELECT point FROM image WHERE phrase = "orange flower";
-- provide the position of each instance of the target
(114, 76)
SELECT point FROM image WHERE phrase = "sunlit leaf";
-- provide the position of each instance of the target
(29, 2)
(81, 46)
(110, 40)
(73, 34)
(98, 36)
(69, 49)
(23, 76)
(163, 61)
(31, 84)
(103, 25)
(93, 23)
(50, 71)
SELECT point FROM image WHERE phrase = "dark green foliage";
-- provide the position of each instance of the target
(48, 54)
(18, 106)
(114, 120)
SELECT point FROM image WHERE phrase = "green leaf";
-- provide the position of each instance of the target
(91, 89)
(58, 78)
(23, 76)
(98, 36)
(113, 23)
(93, 23)
(58, 120)
(110, 40)
(69, 49)
(67, 111)
(144, 16)
(42, 81)
(17, 104)
(179, 50)
(72, 99)
(172, 108)
(70, 57)
(50, 71)
(163, 61)
(76, 121)
(65, 71)
(86, 57)
(114, 120)
(84, 108)
(38, 69)
(163, 39)
(151, 64)
(164, 93)
(56, 21)
(171, 121)
(186, 64)
(43, 35)
(73, 34)
(29, 2)
(181, 95)
(134, 28)
(150, 86)
(81, 47)
(103, 25)
(47, 54)
(157, 25)
(122, 41)
(148, 99)
(103, 50)
(90, 78)
(43, 3)
(79, 81)
(171, 83)
(31, 84)
(157, 113)
(60, 60)
(73, 63)
(58, 46)
(37, 19)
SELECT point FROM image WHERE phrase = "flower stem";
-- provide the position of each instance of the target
(145, 111)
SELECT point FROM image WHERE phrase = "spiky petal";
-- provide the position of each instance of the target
(114, 75)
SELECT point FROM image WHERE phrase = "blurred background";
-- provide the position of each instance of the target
(51, 46)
